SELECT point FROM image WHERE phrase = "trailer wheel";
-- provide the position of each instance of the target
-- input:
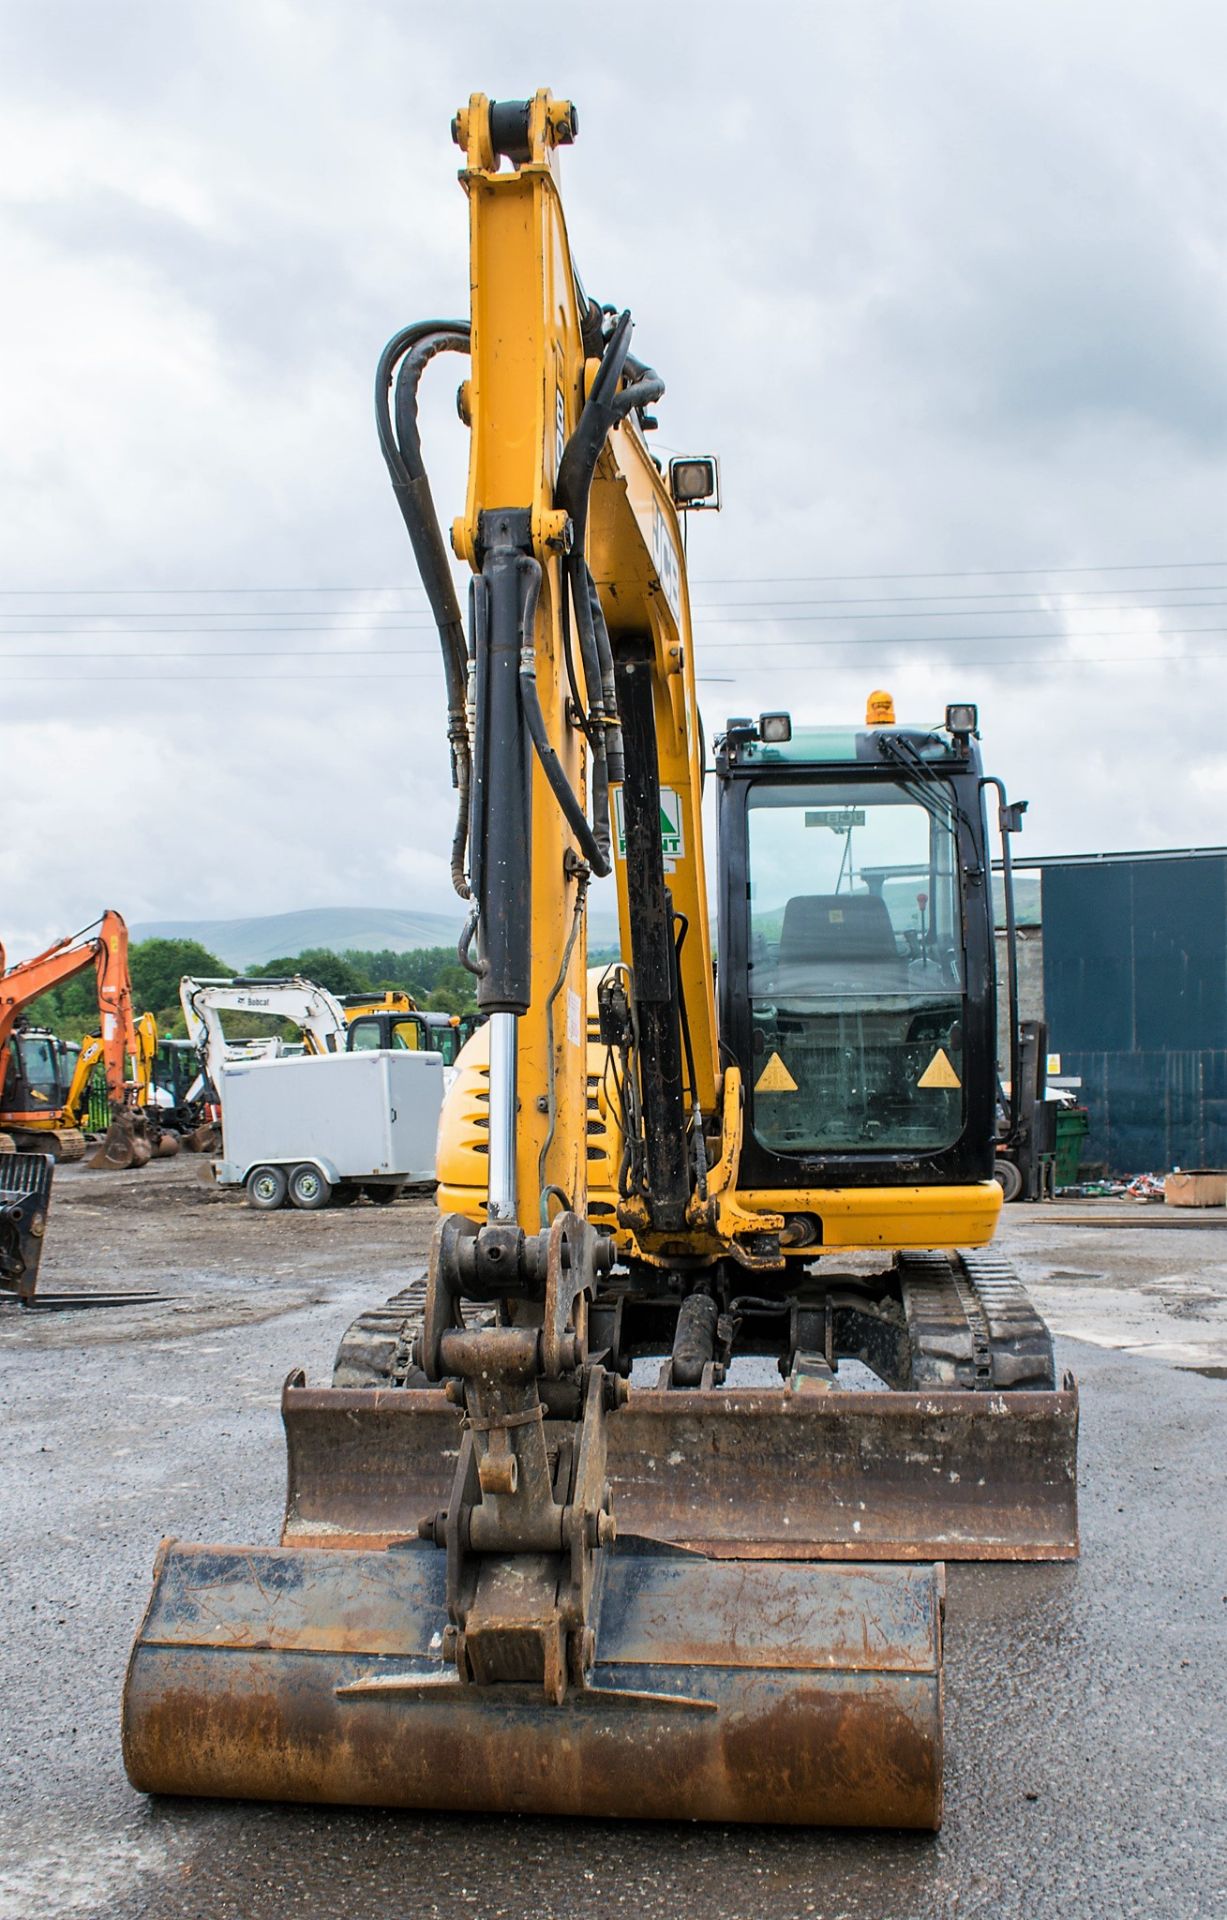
(308, 1188)
(266, 1188)
(1008, 1178)
(382, 1196)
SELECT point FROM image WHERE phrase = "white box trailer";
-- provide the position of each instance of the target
(323, 1129)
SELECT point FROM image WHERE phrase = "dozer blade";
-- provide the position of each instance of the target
(761, 1473)
(756, 1691)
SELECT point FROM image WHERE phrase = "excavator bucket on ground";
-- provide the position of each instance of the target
(733, 1691)
(540, 1662)
(206, 1138)
(125, 1144)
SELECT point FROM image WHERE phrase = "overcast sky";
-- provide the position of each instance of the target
(944, 285)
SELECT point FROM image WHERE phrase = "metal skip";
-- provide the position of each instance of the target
(733, 1691)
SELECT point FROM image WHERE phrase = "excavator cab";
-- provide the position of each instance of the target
(856, 973)
(402, 1032)
(415, 1031)
(35, 1094)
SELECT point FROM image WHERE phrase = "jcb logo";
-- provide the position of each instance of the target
(664, 558)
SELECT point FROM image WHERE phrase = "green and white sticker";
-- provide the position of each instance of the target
(672, 840)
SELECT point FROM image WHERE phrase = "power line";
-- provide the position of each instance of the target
(840, 603)
(961, 573)
(936, 641)
(228, 685)
(925, 599)
(704, 620)
(711, 580)
(949, 613)
(1073, 661)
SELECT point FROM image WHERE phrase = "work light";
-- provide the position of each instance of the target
(695, 481)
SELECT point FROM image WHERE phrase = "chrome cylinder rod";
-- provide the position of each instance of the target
(501, 1195)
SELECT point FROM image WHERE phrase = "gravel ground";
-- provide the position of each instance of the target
(1086, 1704)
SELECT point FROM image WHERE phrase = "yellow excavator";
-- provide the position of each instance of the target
(92, 1053)
(636, 1503)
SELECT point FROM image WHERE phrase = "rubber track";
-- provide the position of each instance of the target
(970, 1321)
(972, 1324)
(376, 1349)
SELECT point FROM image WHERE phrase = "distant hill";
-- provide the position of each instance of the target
(261, 937)
(250, 942)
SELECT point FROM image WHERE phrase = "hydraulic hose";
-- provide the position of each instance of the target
(413, 348)
(573, 486)
(645, 389)
(583, 449)
(534, 720)
(577, 914)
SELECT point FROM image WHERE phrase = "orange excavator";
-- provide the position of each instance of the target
(32, 1100)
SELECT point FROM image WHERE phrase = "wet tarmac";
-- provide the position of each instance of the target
(1086, 1704)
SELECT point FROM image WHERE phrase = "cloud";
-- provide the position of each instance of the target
(945, 288)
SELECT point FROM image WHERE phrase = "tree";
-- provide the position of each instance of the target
(335, 971)
(157, 966)
(421, 971)
(442, 1000)
(70, 1010)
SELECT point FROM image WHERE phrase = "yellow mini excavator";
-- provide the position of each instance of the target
(635, 1503)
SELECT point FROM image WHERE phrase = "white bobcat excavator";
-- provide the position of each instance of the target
(313, 1008)
(604, 1514)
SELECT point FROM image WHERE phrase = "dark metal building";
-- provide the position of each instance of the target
(1135, 995)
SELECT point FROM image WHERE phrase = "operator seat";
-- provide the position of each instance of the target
(838, 945)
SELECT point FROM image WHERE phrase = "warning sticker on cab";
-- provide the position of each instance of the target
(775, 1078)
(939, 1072)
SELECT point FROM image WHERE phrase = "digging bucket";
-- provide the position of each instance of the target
(124, 1146)
(772, 1691)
